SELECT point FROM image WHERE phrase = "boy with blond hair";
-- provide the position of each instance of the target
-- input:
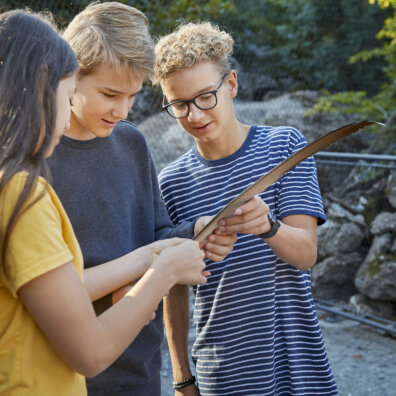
(256, 327)
(105, 177)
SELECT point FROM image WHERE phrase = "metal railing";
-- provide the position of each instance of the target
(337, 158)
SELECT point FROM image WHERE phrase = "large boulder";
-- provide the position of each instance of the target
(333, 277)
(384, 222)
(390, 189)
(376, 278)
(335, 237)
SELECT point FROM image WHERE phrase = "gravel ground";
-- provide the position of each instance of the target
(362, 359)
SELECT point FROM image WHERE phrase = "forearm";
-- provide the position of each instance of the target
(59, 304)
(293, 245)
(131, 314)
(177, 319)
(108, 277)
(294, 242)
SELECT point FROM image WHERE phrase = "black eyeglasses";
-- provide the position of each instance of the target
(204, 101)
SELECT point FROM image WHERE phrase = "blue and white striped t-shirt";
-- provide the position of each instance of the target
(257, 329)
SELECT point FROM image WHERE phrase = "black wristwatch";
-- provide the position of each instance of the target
(274, 227)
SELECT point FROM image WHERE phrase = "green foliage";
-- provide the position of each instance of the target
(350, 102)
(319, 37)
(380, 106)
(307, 44)
(63, 11)
(327, 45)
(163, 15)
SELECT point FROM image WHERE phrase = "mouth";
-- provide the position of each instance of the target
(202, 128)
(110, 124)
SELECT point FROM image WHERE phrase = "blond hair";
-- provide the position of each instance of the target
(114, 34)
(190, 44)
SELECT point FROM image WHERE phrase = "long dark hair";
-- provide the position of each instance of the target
(33, 60)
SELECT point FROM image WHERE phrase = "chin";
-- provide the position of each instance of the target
(103, 132)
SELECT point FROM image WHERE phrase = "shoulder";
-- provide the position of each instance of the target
(181, 166)
(128, 140)
(279, 133)
(129, 136)
(127, 129)
(15, 187)
(283, 140)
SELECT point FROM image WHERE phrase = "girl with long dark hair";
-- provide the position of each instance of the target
(49, 333)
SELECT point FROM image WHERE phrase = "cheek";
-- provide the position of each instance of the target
(85, 110)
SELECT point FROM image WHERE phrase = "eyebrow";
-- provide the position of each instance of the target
(201, 91)
(119, 92)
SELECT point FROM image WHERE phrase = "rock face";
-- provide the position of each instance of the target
(390, 190)
(357, 244)
(367, 272)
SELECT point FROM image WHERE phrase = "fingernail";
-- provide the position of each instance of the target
(238, 211)
(222, 222)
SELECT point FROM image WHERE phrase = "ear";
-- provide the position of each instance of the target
(232, 83)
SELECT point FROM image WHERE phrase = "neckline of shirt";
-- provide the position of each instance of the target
(229, 158)
(83, 144)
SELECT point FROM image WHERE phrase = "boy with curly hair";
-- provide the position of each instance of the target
(257, 332)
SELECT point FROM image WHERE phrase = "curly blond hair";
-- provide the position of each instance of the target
(190, 44)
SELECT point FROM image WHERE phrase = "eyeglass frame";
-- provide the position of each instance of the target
(187, 102)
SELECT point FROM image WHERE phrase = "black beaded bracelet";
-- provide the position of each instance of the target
(182, 384)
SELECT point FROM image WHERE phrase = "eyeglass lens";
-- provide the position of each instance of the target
(204, 101)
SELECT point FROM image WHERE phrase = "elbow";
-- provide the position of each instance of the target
(309, 260)
(89, 363)
(92, 372)
(91, 368)
(306, 266)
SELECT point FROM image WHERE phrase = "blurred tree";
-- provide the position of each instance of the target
(163, 14)
(309, 41)
(63, 11)
(286, 44)
(381, 106)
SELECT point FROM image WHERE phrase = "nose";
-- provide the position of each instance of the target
(195, 114)
(121, 108)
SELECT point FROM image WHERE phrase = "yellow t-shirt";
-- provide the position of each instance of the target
(43, 239)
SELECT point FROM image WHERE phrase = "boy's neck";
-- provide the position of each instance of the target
(76, 131)
(227, 144)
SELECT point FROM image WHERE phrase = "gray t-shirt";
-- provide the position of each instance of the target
(109, 189)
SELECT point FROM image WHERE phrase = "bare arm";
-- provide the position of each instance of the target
(60, 305)
(105, 278)
(295, 242)
(177, 321)
(177, 309)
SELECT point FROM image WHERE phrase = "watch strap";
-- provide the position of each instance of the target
(273, 230)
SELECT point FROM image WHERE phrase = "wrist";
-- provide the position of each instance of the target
(184, 383)
(273, 229)
(160, 275)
